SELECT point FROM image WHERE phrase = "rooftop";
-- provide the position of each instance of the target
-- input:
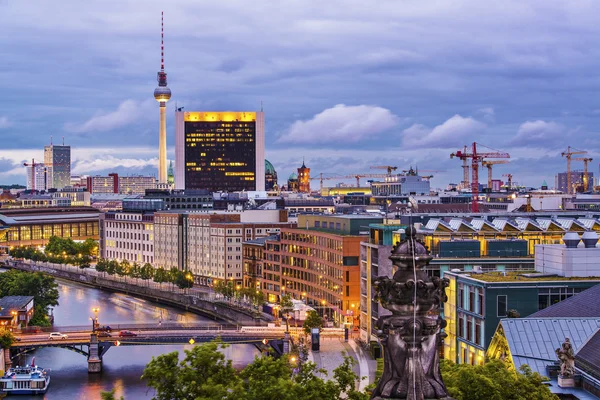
(520, 276)
(584, 305)
(13, 303)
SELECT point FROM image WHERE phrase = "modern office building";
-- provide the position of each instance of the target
(401, 185)
(129, 234)
(477, 301)
(37, 177)
(113, 183)
(374, 262)
(57, 160)
(200, 200)
(35, 226)
(220, 151)
(318, 262)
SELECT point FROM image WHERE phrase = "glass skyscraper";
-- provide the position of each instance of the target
(220, 151)
(58, 163)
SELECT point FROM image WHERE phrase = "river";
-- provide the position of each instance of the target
(123, 366)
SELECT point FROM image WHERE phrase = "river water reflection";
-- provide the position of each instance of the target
(124, 365)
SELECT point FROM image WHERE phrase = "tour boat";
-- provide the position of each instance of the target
(30, 379)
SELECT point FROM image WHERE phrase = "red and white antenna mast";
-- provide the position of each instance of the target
(162, 41)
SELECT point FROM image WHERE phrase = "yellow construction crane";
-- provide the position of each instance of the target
(389, 168)
(509, 176)
(586, 178)
(489, 165)
(571, 151)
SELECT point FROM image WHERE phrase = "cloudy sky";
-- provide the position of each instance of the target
(346, 84)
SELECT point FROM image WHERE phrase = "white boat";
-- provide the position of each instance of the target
(30, 379)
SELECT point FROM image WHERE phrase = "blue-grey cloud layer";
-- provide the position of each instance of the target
(433, 76)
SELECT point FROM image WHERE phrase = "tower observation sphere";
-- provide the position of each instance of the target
(162, 94)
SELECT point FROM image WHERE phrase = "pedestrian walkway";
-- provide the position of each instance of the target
(330, 357)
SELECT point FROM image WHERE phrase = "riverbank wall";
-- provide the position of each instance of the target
(216, 310)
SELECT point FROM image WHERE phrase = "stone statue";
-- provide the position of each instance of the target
(566, 356)
(411, 336)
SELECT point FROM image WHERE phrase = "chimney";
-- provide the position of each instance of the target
(590, 238)
(571, 240)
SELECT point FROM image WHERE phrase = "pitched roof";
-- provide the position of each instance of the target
(13, 303)
(533, 341)
(588, 357)
(582, 305)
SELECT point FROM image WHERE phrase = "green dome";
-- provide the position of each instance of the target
(293, 177)
(269, 169)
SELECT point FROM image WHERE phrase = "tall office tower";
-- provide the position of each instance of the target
(58, 165)
(220, 151)
(162, 94)
(36, 177)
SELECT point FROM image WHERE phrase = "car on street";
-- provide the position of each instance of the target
(104, 334)
(126, 333)
(57, 335)
(105, 328)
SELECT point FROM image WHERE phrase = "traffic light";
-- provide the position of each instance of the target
(265, 342)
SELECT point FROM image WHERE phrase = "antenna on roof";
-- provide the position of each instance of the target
(261, 106)
(50, 140)
(63, 141)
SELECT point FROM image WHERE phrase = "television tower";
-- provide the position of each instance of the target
(162, 94)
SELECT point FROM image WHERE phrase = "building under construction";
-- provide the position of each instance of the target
(578, 181)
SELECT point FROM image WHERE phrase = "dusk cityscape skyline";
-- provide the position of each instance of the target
(346, 88)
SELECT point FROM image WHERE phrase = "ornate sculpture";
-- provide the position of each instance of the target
(566, 356)
(411, 336)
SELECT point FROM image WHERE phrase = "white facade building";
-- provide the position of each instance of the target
(41, 177)
(127, 235)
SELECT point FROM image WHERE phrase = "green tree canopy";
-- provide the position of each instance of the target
(43, 288)
(313, 320)
(493, 381)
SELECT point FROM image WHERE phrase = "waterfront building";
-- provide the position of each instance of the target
(35, 226)
(303, 179)
(270, 176)
(220, 151)
(210, 244)
(318, 262)
(375, 262)
(57, 160)
(129, 234)
(16, 310)
(37, 177)
(253, 259)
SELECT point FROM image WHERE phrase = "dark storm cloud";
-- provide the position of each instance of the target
(87, 71)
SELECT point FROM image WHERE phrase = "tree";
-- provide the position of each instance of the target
(147, 272)
(160, 275)
(493, 381)
(287, 306)
(102, 265)
(109, 395)
(313, 320)
(43, 288)
(6, 338)
(204, 373)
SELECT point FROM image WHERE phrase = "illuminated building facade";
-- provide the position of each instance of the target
(478, 301)
(58, 163)
(113, 183)
(128, 235)
(220, 151)
(35, 226)
(39, 178)
(303, 179)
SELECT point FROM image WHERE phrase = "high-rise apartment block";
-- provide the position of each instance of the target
(37, 177)
(57, 160)
(220, 151)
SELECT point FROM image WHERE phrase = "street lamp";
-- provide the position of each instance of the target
(96, 310)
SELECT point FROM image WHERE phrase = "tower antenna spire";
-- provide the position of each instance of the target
(162, 41)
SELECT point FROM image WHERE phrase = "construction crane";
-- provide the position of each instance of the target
(571, 151)
(489, 165)
(476, 158)
(509, 176)
(465, 182)
(32, 165)
(586, 178)
(389, 168)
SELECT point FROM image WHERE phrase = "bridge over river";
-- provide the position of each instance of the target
(94, 345)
